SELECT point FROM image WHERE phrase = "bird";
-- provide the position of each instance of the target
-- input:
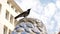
(24, 14)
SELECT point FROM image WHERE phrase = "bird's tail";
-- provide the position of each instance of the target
(17, 16)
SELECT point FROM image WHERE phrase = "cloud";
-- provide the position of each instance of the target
(49, 10)
(25, 4)
(57, 18)
(58, 4)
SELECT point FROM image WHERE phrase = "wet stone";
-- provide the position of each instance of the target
(16, 28)
(30, 25)
(35, 30)
(22, 24)
(13, 32)
(20, 29)
(24, 32)
(27, 30)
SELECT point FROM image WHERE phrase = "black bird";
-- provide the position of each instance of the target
(24, 14)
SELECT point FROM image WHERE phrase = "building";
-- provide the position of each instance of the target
(8, 10)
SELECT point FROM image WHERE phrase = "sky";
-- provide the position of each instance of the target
(46, 10)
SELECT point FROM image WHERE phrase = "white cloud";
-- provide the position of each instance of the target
(49, 10)
(57, 18)
(25, 4)
(58, 4)
(34, 15)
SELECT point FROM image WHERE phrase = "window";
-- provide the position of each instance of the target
(8, 2)
(17, 11)
(12, 7)
(7, 14)
(9, 31)
(0, 7)
(5, 30)
(15, 22)
(11, 19)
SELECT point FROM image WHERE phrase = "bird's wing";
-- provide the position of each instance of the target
(21, 15)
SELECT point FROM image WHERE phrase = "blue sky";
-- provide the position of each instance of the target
(46, 10)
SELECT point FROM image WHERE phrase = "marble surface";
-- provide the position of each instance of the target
(28, 27)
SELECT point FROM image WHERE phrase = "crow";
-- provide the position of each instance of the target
(24, 14)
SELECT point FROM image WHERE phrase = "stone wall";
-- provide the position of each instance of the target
(30, 26)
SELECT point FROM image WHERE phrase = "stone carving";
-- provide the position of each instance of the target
(30, 26)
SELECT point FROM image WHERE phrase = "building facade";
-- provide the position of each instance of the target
(8, 10)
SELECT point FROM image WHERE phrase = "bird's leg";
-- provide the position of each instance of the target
(25, 19)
